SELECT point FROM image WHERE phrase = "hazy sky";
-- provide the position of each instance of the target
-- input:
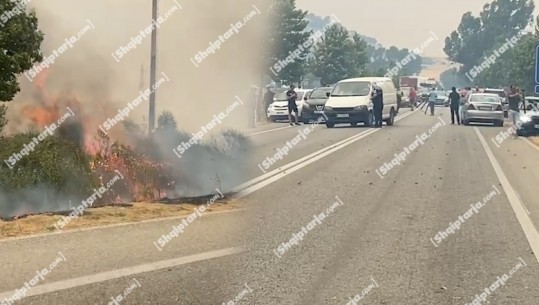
(404, 24)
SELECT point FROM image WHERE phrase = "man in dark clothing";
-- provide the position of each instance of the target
(454, 99)
(399, 100)
(378, 105)
(268, 98)
(292, 107)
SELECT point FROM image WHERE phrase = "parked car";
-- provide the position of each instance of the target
(501, 94)
(313, 106)
(350, 101)
(483, 108)
(278, 110)
(529, 120)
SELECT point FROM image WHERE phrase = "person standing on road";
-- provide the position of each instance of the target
(399, 99)
(268, 98)
(432, 101)
(514, 101)
(378, 104)
(454, 99)
(292, 107)
(412, 96)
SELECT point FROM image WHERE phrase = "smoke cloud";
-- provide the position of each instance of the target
(88, 73)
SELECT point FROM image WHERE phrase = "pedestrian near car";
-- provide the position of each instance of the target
(432, 101)
(292, 107)
(513, 100)
(454, 100)
(378, 105)
(399, 100)
(412, 96)
(268, 98)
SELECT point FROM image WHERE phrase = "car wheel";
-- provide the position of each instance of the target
(354, 124)
(498, 123)
(391, 120)
(370, 120)
(330, 125)
(306, 121)
(466, 122)
(273, 120)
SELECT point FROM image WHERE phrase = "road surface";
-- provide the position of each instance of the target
(379, 238)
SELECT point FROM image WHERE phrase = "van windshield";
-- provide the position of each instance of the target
(351, 89)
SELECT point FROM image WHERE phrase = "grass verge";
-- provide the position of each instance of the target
(95, 217)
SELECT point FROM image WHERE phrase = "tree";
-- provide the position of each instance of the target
(166, 121)
(20, 42)
(339, 56)
(288, 35)
(477, 36)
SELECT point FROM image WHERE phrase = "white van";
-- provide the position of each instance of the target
(350, 102)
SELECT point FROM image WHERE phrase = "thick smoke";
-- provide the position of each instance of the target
(193, 94)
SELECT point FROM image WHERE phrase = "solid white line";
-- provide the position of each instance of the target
(268, 178)
(270, 130)
(116, 274)
(518, 207)
(303, 159)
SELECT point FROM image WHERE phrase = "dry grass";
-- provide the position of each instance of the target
(39, 224)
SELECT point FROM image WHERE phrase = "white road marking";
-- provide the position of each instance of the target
(116, 274)
(268, 178)
(270, 130)
(518, 207)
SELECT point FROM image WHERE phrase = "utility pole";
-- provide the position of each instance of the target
(153, 67)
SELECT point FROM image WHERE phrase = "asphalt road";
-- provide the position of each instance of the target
(378, 237)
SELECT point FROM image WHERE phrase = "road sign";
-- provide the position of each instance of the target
(537, 65)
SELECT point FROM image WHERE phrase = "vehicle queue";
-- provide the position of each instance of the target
(354, 101)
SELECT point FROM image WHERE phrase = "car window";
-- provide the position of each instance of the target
(319, 93)
(441, 93)
(484, 99)
(351, 89)
(281, 96)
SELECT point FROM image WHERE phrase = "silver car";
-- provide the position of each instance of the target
(483, 108)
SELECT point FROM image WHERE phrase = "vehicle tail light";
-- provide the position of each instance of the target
(499, 108)
(471, 107)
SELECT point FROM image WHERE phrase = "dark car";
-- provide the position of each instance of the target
(529, 121)
(313, 107)
(442, 99)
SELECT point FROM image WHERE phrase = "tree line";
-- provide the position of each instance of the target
(494, 49)
(338, 54)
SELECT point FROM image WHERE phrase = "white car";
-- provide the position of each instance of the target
(350, 102)
(529, 120)
(278, 110)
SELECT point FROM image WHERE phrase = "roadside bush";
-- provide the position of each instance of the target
(44, 180)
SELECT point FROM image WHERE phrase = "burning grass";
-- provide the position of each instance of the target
(71, 165)
(109, 215)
